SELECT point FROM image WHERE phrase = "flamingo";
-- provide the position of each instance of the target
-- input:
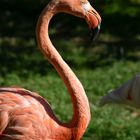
(127, 94)
(25, 115)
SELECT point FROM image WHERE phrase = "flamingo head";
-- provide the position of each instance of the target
(83, 9)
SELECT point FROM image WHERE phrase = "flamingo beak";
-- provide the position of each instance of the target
(93, 19)
(95, 32)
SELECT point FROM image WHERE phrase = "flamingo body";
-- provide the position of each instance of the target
(24, 115)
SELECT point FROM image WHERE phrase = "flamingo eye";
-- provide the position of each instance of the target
(82, 1)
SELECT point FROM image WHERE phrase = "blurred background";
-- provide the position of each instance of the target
(101, 66)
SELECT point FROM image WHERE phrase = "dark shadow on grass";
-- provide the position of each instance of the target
(19, 52)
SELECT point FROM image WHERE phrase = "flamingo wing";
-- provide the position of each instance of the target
(23, 115)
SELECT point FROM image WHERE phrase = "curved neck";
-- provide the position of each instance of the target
(81, 114)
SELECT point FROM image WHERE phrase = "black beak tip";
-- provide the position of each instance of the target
(95, 32)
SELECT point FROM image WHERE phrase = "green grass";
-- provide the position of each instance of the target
(107, 123)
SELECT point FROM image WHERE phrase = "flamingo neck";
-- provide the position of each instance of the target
(81, 110)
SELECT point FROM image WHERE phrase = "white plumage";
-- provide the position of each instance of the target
(128, 93)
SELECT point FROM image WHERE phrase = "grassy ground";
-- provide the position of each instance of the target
(107, 123)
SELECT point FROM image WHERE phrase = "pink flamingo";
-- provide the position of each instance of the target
(24, 115)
